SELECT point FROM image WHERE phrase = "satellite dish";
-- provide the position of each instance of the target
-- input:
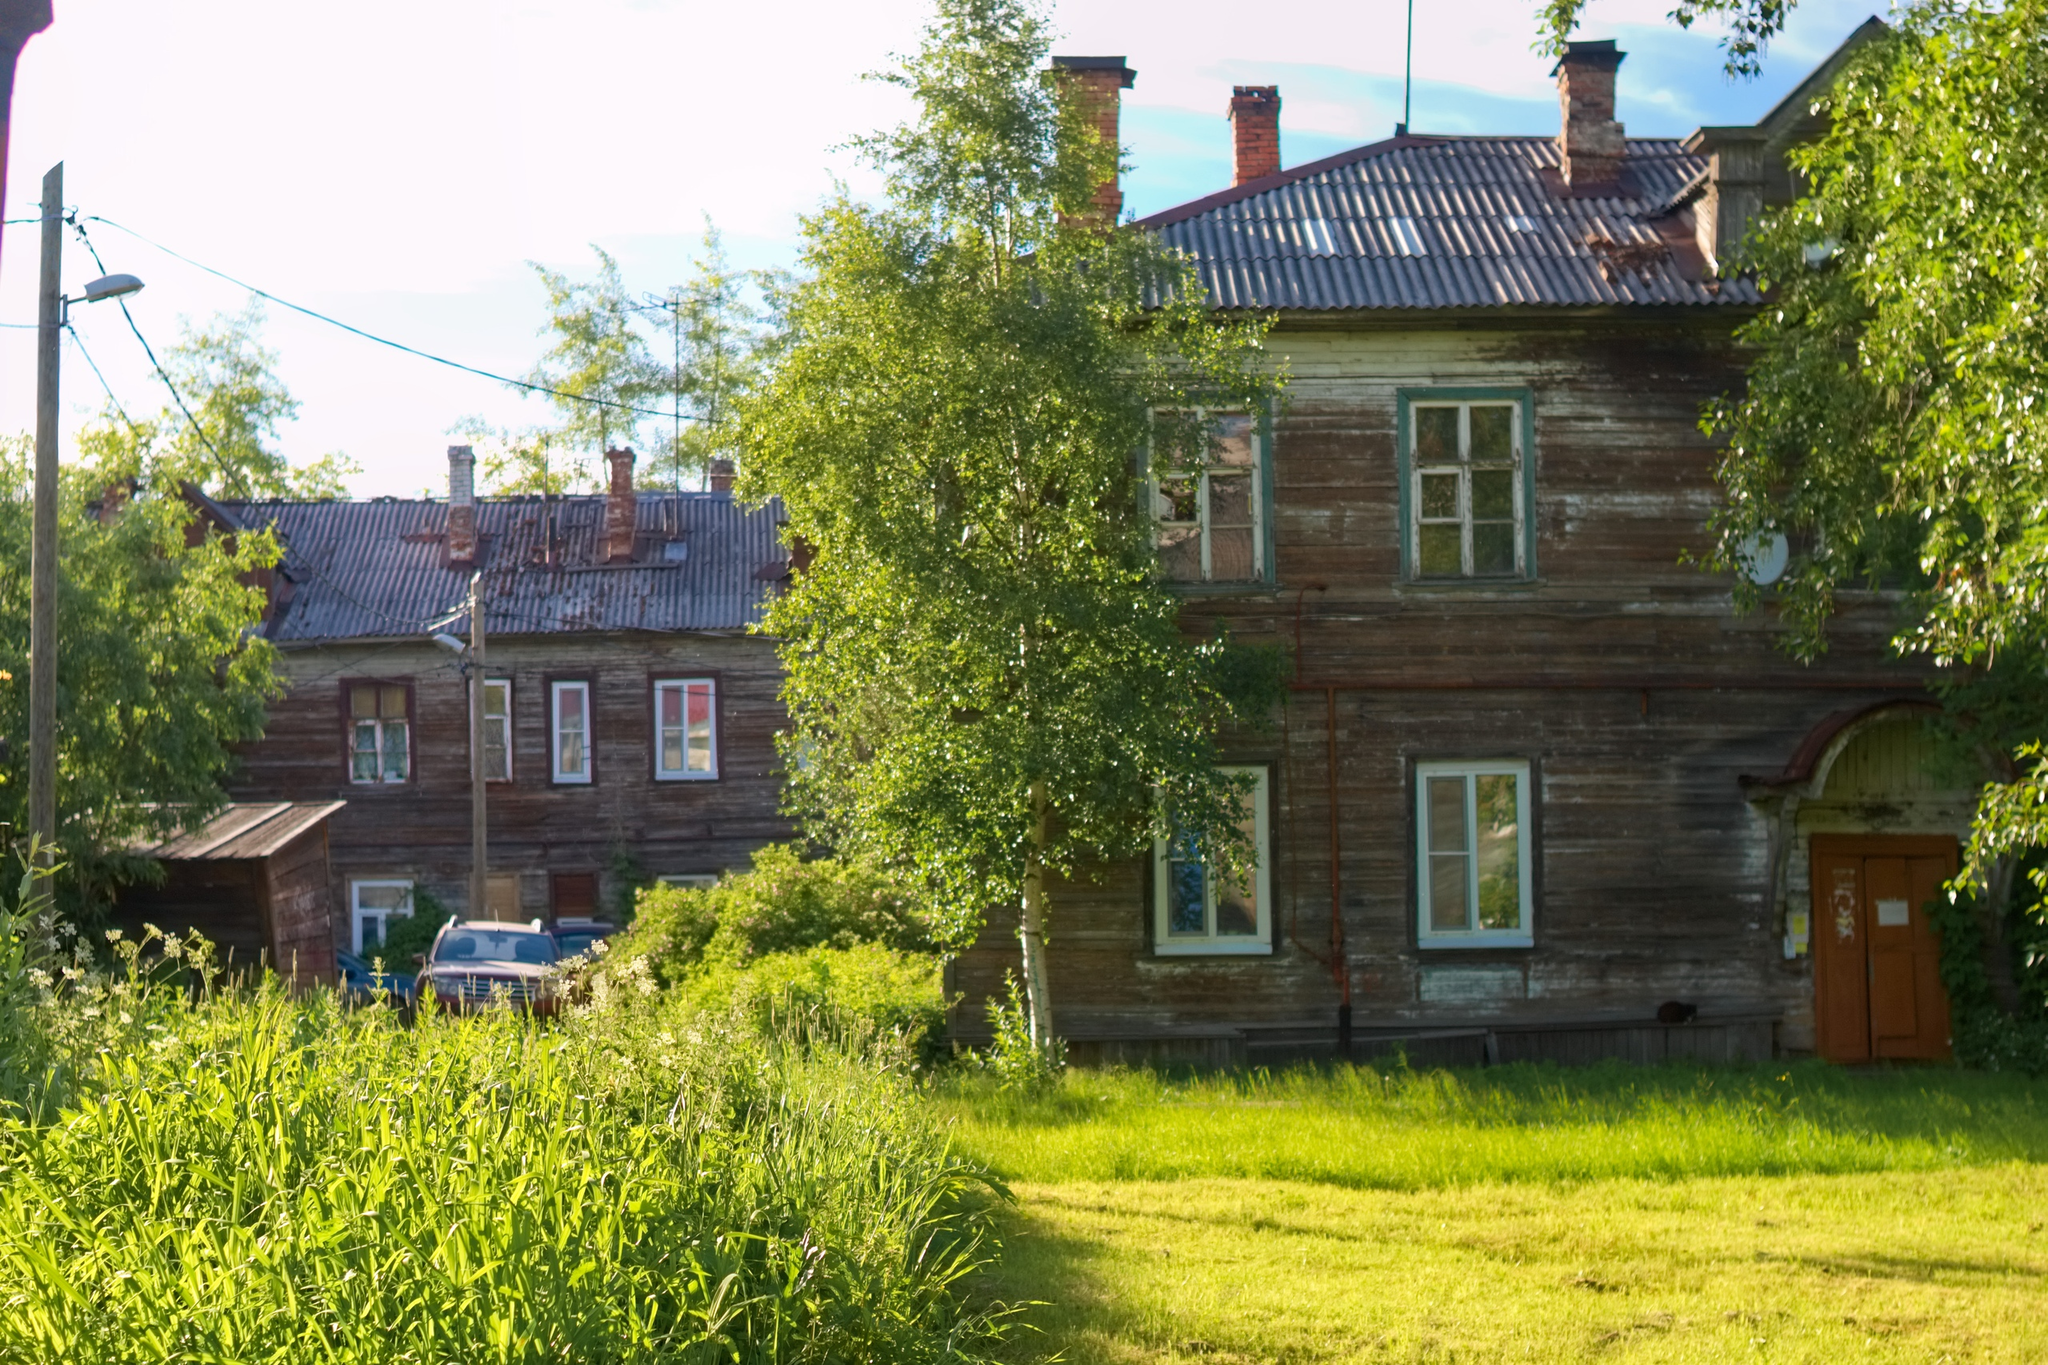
(1763, 557)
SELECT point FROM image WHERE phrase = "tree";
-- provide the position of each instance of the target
(987, 681)
(226, 380)
(1751, 26)
(1895, 422)
(159, 670)
(600, 374)
(716, 355)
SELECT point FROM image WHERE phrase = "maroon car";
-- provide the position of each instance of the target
(475, 964)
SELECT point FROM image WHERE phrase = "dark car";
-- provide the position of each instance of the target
(475, 964)
(577, 936)
(361, 981)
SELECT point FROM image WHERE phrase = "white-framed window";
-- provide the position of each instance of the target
(497, 730)
(372, 903)
(1466, 489)
(379, 732)
(1208, 503)
(1196, 909)
(695, 881)
(569, 730)
(1472, 855)
(685, 729)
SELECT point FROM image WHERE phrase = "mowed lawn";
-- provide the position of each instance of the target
(1785, 1214)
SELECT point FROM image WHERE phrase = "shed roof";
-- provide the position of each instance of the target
(1419, 222)
(380, 568)
(245, 829)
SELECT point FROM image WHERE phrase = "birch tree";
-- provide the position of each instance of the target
(988, 683)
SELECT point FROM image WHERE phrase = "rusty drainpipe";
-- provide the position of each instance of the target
(1340, 971)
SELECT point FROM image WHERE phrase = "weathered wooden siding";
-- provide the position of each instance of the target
(622, 826)
(1622, 674)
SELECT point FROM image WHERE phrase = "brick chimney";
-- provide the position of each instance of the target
(461, 505)
(1097, 84)
(621, 508)
(721, 475)
(1255, 127)
(1590, 140)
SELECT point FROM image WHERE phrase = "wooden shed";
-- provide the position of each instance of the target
(255, 880)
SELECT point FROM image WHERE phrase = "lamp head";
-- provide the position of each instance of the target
(111, 287)
(447, 641)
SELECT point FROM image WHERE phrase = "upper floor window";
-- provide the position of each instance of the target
(569, 730)
(1472, 855)
(1466, 488)
(1209, 499)
(686, 729)
(498, 730)
(1197, 908)
(379, 732)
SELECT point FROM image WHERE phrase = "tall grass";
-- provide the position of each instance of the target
(1400, 1129)
(257, 1177)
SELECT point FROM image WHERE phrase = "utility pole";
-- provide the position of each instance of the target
(479, 855)
(42, 616)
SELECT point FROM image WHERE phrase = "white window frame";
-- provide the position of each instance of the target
(504, 720)
(562, 777)
(1523, 936)
(360, 913)
(694, 881)
(379, 725)
(1461, 467)
(1212, 944)
(685, 686)
(1255, 479)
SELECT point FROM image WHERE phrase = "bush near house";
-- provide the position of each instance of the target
(806, 944)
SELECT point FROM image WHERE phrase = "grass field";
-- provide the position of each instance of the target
(1787, 1214)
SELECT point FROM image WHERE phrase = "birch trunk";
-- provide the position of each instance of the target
(1031, 927)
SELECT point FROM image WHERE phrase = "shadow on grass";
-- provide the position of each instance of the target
(1060, 1282)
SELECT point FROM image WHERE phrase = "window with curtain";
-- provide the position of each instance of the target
(380, 732)
(569, 731)
(686, 729)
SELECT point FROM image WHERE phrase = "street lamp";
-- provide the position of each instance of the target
(54, 313)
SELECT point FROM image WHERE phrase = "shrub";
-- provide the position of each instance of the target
(783, 904)
(842, 992)
(262, 1177)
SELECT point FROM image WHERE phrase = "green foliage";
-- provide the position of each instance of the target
(784, 903)
(1013, 1058)
(1751, 25)
(407, 936)
(716, 350)
(631, 1184)
(31, 942)
(158, 673)
(228, 379)
(1985, 1035)
(865, 990)
(986, 679)
(598, 358)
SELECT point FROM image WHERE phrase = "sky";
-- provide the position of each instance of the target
(400, 164)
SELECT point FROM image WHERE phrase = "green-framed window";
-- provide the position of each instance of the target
(1468, 486)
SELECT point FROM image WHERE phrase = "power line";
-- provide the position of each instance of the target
(80, 342)
(525, 384)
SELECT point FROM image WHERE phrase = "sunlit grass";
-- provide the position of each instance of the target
(1791, 1213)
(1415, 1130)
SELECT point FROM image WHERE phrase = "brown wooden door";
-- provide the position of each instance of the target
(1876, 956)
(575, 895)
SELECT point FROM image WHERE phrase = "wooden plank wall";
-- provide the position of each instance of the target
(621, 826)
(303, 908)
(1622, 675)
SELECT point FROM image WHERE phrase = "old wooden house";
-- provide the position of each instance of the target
(629, 718)
(1537, 779)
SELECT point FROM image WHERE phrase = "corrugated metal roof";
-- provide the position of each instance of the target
(702, 562)
(246, 829)
(1441, 222)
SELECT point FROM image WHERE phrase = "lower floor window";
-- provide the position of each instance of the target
(373, 903)
(1198, 908)
(1472, 855)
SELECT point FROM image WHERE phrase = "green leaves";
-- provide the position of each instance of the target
(957, 426)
